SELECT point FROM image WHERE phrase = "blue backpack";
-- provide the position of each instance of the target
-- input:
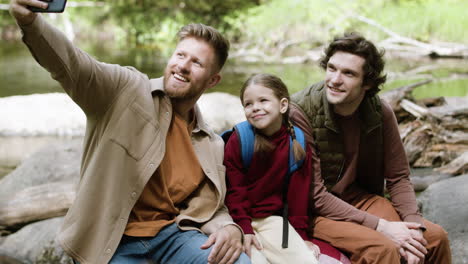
(245, 133)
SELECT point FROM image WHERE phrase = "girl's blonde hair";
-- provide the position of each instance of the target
(262, 145)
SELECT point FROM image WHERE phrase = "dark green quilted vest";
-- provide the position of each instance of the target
(327, 136)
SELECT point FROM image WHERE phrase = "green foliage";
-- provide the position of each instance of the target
(268, 23)
(147, 23)
(5, 18)
(316, 21)
(425, 20)
(154, 23)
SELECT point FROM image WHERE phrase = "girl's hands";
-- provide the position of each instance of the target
(249, 240)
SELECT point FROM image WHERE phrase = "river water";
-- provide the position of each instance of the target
(21, 75)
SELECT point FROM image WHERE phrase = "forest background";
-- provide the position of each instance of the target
(141, 33)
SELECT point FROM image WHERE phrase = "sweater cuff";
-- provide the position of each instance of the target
(371, 221)
(34, 27)
(246, 226)
(415, 218)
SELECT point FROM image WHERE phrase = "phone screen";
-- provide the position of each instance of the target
(55, 6)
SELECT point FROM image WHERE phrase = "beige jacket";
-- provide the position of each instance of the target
(128, 117)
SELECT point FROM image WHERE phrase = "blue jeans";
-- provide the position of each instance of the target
(171, 245)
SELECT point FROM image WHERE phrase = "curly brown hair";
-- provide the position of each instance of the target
(356, 44)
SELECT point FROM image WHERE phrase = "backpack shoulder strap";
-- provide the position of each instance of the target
(246, 136)
(300, 137)
(245, 133)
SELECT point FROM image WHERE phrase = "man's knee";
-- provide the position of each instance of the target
(387, 246)
(381, 251)
(435, 232)
(437, 239)
(438, 244)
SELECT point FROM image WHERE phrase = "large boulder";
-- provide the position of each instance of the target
(52, 163)
(221, 110)
(421, 178)
(37, 203)
(444, 203)
(41, 114)
(35, 243)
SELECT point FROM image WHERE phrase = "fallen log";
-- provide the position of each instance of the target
(399, 43)
(453, 137)
(414, 109)
(432, 102)
(454, 107)
(456, 166)
(36, 203)
(436, 155)
(417, 141)
(394, 96)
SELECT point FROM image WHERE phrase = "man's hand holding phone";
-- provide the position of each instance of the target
(22, 10)
(53, 6)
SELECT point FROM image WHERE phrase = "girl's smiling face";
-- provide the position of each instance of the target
(263, 109)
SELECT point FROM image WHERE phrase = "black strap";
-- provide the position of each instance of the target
(284, 243)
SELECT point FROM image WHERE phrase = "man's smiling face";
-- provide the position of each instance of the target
(191, 69)
(344, 82)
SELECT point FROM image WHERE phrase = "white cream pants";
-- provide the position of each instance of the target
(269, 232)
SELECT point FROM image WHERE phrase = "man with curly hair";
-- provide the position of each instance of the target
(359, 154)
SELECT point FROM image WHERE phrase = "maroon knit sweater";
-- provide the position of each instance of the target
(258, 193)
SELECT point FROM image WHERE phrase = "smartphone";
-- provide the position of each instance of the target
(55, 6)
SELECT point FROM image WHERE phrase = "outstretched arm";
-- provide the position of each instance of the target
(91, 84)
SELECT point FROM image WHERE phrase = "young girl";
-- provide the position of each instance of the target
(255, 194)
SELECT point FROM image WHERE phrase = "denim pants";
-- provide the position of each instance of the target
(171, 245)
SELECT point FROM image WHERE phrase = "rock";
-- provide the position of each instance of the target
(35, 243)
(17, 148)
(221, 110)
(52, 163)
(444, 203)
(37, 203)
(41, 114)
(422, 178)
